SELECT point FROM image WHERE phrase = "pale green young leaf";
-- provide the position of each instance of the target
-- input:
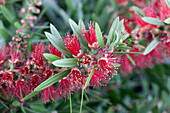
(99, 35)
(68, 62)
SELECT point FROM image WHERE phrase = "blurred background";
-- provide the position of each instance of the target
(142, 91)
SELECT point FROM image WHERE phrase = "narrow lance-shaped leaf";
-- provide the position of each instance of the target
(52, 80)
(99, 35)
(121, 26)
(31, 95)
(151, 46)
(130, 58)
(153, 21)
(7, 14)
(51, 57)
(58, 44)
(138, 11)
(167, 3)
(68, 62)
(77, 32)
(55, 32)
(113, 28)
(89, 78)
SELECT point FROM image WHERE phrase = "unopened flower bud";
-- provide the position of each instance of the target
(22, 35)
(23, 21)
(18, 40)
(27, 36)
(25, 42)
(30, 18)
(31, 24)
(37, 11)
(35, 17)
(39, 3)
(13, 38)
(25, 46)
(17, 31)
(30, 8)
(23, 10)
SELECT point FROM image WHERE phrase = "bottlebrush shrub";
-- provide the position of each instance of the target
(86, 57)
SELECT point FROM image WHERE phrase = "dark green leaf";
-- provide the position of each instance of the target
(55, 32)
(69, 62)
(51, 57)
(123, 48)
(153, 21)
(89, 78)
(99, 35)
(31, 95)
(58, 44)
(7, 14)
(52, 80)
(151, 46)
(138, 11)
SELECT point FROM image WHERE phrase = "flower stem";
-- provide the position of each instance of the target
(81, 100)
(70, 104)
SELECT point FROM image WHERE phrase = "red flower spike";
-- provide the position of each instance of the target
(73, 45)
(91, 36)
(21, 87)
(34, 82)
(54, 51)
(3, 55)
(37, 55)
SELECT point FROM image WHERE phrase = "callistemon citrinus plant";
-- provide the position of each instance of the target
(86, 58)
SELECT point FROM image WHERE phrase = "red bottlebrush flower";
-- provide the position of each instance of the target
(37, 55)
(8, 81)
(3, 55)
(165, 8)
(49, 92)
(106, 64)
(122, 2)
(54, 51)
(20, 87)
(96, 79)
(86, 60)
(91, 36)
(15, 55)
(34, 81)
(25, 70)
(126, 65)
(73, 45)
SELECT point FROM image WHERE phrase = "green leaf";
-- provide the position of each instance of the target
(51, 57)
(130, 58)
(16, 103)
(7, 14)
(151, 46)
(55, 32)
(123, 48)
(138, 11)
(58, 44)
(77, 32)
(124, 37)
(4, 34)
(99, 35)
(167, 3)
(153, 21)
(52, 80)
(68, 62)
(31, 95)
(121, 26)
(89, 78)
(18, 25)
(112, 30)
(167, 21)
(81, 24)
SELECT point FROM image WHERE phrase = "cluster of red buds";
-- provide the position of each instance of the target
(29, 14)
